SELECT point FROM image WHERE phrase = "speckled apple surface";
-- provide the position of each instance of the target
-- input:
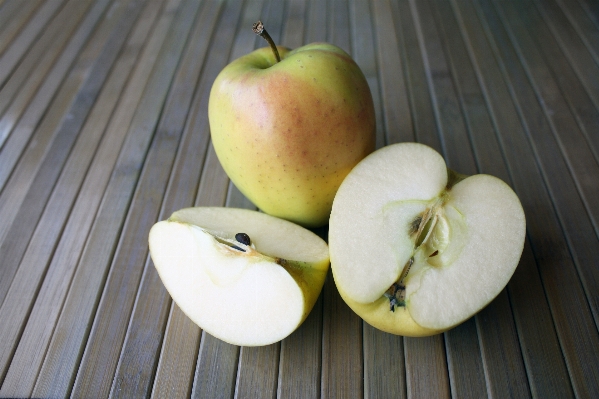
(288, 133)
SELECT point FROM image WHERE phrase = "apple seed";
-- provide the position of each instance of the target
(243, 238)
(415, 225)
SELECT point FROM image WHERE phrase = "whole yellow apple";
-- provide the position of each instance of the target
(287, 133)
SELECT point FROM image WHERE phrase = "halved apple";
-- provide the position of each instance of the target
(416, 248)
(243, 276)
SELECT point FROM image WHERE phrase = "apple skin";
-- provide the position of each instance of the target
(288, 133)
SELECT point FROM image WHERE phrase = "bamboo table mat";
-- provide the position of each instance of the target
(104, 131)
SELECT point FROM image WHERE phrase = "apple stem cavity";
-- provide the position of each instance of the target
(258, 29)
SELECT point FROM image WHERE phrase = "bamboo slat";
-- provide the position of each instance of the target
(342, 352)
(526, 282)
(100, 357)
(426, 366)
(396, 112)
(581, 22)
(505, 373)
(62, 361)
(141, 340)
(18, 91)
(33, 342)
(416, 78)
(364, 53)
(555, 264)
(213, 368)
(13, 17)
(11, 56)
(561, 101)
(18, 298)
(15, 179)
(565, 39)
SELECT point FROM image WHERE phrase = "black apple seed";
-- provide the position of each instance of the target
(243, 238)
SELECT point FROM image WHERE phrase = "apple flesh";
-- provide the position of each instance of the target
(243, 276)
(416, 248)
(287, 133)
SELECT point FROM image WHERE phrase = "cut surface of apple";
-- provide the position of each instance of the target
(416, 248)
(243, 276)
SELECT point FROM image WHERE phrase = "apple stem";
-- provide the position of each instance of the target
(258, 29)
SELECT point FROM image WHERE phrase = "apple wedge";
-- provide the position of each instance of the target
(243, 276)
(416, 248)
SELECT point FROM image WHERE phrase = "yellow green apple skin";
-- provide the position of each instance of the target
(288, 133)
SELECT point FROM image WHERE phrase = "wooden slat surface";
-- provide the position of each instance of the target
(104, 131)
